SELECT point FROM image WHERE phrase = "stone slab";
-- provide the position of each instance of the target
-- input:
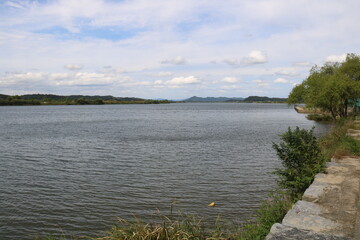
(329, 178)
(282, 232)
(306, 215)
(316, 191)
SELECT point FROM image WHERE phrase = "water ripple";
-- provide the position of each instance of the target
(74, 169)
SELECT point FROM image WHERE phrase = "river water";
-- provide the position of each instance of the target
(72, 170)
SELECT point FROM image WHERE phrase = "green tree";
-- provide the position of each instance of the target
(332, 87)
(297, 94)
(301, 160)
(82, 101)
(98, 101)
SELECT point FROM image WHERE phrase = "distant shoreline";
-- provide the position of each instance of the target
(50, 99)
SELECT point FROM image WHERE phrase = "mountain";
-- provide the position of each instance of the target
(51, 99)
(264, 99)
(2, 96)
(42, 97)
(212, 99)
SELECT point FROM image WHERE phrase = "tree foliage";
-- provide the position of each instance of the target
(50, 99)
(301, 159)
(332, 87)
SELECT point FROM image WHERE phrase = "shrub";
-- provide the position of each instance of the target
(301, 159)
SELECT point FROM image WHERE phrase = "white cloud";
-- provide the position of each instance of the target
(158, 82)
(62, 79)
(229, 80)
(336, 58)
(143, 83)
(183, 80)
(287, 72)
(302, 64)
(58, 76)
(281, 80)
(73, 67)
(16, 78)
(232, 61)
(15, 4)
(151, 31)
(230, 87)
(261, 83)
(176, 61)
(163, 74)
(255, 57)
(110, 69)
(84, 78)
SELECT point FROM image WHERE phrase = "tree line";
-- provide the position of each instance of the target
(334, 88)
(49, 99)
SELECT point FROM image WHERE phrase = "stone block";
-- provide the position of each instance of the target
(306, 215)
(283, 232)
(315, 192)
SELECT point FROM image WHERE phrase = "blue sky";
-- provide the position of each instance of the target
(170, 49)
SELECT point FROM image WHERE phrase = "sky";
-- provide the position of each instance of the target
(170, 49)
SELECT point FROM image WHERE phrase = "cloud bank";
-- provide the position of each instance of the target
(170, 49)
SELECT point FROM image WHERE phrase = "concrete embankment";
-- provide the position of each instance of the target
(307, 110)
(330, 207)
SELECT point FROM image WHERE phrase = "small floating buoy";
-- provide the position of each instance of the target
(212, 204)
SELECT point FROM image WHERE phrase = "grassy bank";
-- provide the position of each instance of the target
(337, 143)
(192, 227)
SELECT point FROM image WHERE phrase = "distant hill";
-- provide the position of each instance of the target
(264, 99)
(51, 99)
(74, 97)
(212, 99)
(2, 96)
(235, 99)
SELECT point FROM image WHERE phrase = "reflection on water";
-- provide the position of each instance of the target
(74, 169)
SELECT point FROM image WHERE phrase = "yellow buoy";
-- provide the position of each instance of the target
(212, 204)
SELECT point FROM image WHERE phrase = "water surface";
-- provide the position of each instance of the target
(73, 169)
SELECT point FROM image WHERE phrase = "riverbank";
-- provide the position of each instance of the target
(329, 208)
(305, 110)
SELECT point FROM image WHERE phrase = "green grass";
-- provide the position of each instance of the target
(271, 211)
(193, 228)
(337, 144)
(319, 117)
(185, 227)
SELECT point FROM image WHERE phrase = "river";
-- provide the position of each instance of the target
(72, 170)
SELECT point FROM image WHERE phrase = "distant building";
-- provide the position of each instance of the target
(357, 105)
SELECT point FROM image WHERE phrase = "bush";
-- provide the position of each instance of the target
(301, 159)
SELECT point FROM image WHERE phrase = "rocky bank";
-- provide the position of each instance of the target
(330, 207)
